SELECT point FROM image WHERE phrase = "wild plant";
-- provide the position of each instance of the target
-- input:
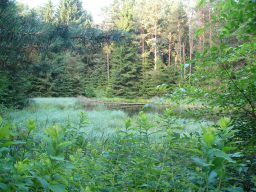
(216, 154)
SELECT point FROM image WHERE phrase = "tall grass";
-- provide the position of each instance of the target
(102, 122)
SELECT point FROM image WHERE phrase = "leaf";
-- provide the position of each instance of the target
(69, 165)
(3, 186)
(1, 120)
(234, 189)
(201, 3)
(199, 32)
(3, 149)
(208, 136)
(5, 131)
(43, 182)
(57, 188)
(64, 144)
(17, 142)
(228, 148)
(201, 162)
(31, 125)
(236, 155)
(221, 154)
(57, 158)
(212, 177)
(128, 123)
(224, 122)
(9, 143)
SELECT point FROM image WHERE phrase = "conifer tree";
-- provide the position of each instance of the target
(48, 12)
(126, 71)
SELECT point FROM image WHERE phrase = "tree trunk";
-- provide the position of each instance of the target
(210, 18)
(179, 36)
(184, 53)
(184, 59)
(108, 66)
(155, 59)
(169, 54)
(169, 50)
(143, 51)
(203, 32)
(191, 44)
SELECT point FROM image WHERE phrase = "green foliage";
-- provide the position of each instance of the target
(126, 71)
(141, 156)
(159, 83)
(58, 53)
(215, 147)
(226, 72)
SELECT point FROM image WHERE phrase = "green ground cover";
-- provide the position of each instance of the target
(63, 147)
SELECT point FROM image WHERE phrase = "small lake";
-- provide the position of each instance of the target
(72, 102)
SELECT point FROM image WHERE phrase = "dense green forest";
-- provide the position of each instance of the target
(195, 59)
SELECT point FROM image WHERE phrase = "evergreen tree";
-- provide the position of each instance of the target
(126, 71)
(18, 44)
(64, 12)
(48, 12)
(78, 15)
(71, 12)
(125, 17)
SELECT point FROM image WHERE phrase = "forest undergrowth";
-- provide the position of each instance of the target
(145, 152)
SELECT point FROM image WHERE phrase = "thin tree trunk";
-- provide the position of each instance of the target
(143, 51)
(191, 44)
(179, 36)
(175, 60)
(184, 59)
(169, 50)
(155, 59)
(169, 54)
(108, 66)
(210, 18)
(184, 53)
(203, 32)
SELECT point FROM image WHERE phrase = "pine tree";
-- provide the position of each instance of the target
(125, 17)
(126, 71)
(64, 12)
(72, 12)
(48, 12)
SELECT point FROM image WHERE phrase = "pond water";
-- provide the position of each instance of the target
(103, 121)
(72, 102)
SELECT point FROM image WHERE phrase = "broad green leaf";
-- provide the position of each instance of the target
(43, 182)
(200, 162)
(57, 188)
(57, 158)
(209, 136)
(69, 165)
(212, 177)
(228, 148)
(221, 154)
(5, 131)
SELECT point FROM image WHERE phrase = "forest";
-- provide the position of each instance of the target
(160, 96)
